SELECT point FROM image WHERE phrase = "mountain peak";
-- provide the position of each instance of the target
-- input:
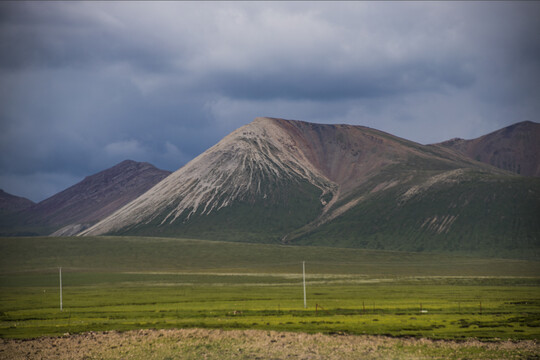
(11, 203)
(128, 162)
(93, 198)
(264, 119)
(288, 181)
(265, 159)
(515, 148)
(250, 163)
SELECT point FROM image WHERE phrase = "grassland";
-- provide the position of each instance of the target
(419, 308)
(121, 284)
(140, 254)
(240, 300)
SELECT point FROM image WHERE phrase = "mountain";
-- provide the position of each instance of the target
(11, 203)
(88, 201)
(295, 182)
(514, 148)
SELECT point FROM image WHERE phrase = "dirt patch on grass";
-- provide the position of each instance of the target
(254, 344)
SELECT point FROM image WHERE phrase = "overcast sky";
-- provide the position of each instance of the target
(85, 85)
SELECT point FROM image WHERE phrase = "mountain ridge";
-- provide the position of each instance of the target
(10, 203)
(245, 154)
(88, 201)
(294, 182)
(515, 148)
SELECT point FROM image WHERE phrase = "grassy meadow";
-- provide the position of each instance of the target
(122, 283)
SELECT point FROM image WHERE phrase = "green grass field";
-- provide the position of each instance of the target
(121, 283)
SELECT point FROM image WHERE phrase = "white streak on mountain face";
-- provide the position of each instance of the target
(451, 176)
(240, 166)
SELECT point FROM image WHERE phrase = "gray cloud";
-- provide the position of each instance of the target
(65, 35)
(330, 85)
(85, 85)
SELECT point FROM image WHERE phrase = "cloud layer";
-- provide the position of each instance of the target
(86, 85)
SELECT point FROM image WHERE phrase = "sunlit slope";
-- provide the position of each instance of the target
(285, 181)
(252, 183)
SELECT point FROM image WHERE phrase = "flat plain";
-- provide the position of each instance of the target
(123, 284)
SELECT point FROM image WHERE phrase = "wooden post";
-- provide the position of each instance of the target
(304, 281)
(60, 270)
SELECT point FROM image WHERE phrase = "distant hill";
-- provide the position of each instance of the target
(295, 182)
(86, 202)
(515, 148)
(10, 203)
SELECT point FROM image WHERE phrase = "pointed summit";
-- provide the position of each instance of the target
(276, 180)
(259, 162)
(10, 203)
(90, 200)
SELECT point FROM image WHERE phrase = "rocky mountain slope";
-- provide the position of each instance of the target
(88, 201)
(294, 182)
(514, 148)
(10, 203)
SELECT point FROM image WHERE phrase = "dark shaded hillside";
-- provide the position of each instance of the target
(11, 203)
(86, 202)
(467, 213)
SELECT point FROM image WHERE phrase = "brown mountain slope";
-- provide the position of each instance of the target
(11, 203)
(294, 182)
(323, 165)
(514, 148)
(349, 155)
(94, 198)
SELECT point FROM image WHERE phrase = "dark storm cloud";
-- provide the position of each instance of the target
(327, 85)
(85, 85)
(53, 35)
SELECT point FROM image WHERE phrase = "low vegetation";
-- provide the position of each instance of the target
(474, 213)
(123, 284)
(438, 308)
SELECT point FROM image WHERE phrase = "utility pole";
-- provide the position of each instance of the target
(60, 289)
(304, 277)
